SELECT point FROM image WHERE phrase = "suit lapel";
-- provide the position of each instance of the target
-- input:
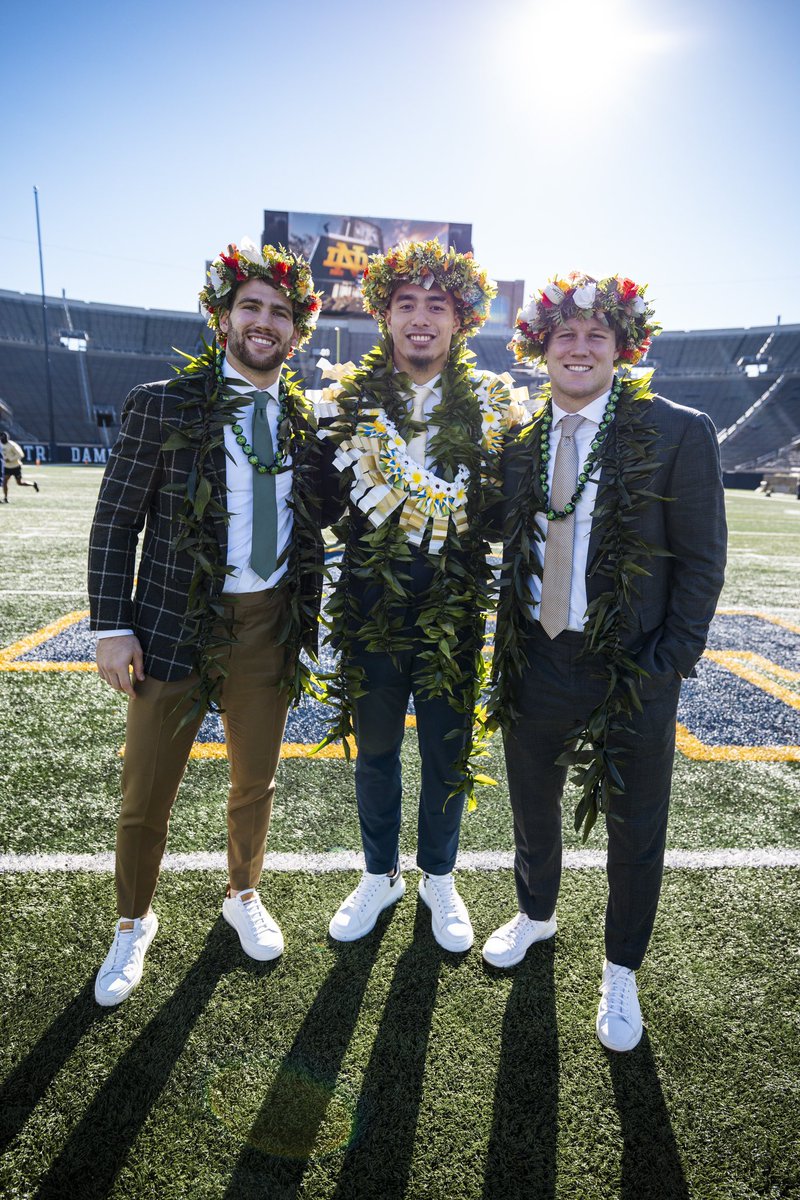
(594, 537)
(219, 493)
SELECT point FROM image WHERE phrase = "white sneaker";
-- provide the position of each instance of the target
(619, 1018)
(258, 932)
(122, 966)
(450, 921)
(509, 944)
(356, 916)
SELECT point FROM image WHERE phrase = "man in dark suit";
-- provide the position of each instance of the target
(220, 468)
(614, 558)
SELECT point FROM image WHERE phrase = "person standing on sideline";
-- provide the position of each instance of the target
(418, 443)
(221, 467)
(13, 458)
(614, 558)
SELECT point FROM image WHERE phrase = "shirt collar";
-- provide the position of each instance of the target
(237, 380)
(592, 412)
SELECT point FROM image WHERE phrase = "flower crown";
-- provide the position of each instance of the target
(426, 263)
(277, 267)
(617, 301)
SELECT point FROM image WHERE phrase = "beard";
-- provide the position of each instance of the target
(261, 359)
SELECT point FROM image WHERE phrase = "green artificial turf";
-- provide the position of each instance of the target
(386, 1068)
(389, 1068)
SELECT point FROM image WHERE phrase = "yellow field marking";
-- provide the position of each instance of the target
(288, 749)
(759, 671)
(692, 747)
(26, 644)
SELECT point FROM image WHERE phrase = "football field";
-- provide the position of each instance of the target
(388, 1068)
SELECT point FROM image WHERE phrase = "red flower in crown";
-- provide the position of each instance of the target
(281, 268)
(628, 289)
(545, 303)
(232, 261)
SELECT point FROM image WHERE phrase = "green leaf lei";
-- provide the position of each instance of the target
(208, 408)
(627, 462)
(452, 614)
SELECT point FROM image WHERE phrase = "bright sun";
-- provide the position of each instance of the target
(575, 50)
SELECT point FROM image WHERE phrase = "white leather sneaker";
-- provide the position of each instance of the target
(122, 966)
(258, 932)
(509, 944)
(619, 1018)
(450, 921)
(356, 916)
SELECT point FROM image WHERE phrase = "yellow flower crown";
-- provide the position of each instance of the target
(426, 263)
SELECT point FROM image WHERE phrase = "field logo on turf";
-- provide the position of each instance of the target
(742, 706)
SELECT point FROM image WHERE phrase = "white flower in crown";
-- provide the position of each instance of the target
(529, 313)
(584, 296)
(638, 305)
(249, 250)
(553, 292)
(220, 285)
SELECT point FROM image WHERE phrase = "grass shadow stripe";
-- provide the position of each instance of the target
(521, 1159)
(282, 1137)
(101, 1142)
(651, 1164)
(378, 1161)
(27, 1083)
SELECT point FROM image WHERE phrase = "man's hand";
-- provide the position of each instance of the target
(115, 657)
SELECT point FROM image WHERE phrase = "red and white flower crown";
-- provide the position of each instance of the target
(617, 301)
(278, 267)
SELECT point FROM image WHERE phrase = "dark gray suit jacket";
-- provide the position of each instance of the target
(674, 604)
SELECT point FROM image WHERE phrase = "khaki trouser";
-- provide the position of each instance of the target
(156, 757)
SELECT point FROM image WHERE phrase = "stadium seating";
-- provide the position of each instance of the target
(703, 369)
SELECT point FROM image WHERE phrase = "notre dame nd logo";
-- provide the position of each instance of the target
(340, 258)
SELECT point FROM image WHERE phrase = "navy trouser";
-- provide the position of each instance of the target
(558, 689)
(380, 717)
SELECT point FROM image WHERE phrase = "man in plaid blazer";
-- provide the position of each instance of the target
(221, 469)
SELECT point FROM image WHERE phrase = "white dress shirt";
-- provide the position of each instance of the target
(239, 481)
(584, 436)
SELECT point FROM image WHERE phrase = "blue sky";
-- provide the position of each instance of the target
(604, 135)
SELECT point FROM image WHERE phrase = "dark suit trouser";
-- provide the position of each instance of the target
(557, 691)
(156, 757)
(380, 724)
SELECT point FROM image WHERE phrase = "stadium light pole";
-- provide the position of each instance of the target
(49, 383)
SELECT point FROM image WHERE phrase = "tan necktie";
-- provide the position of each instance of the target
(418, 442)
(557, 577)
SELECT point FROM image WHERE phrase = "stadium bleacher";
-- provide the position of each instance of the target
(723, 372)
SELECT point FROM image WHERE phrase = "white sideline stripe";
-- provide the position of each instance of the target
(350, 860)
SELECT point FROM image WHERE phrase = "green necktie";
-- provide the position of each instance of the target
(264, 550)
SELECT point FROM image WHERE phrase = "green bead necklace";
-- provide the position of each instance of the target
(278, 463)
(554, 514)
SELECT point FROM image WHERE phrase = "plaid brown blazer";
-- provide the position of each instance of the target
(133, 498)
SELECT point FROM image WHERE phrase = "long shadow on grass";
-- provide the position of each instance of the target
(100, 1143)
(651, 1165)
(378, 1160)
(24, 1087)
(521, 1162)
(284, 1133)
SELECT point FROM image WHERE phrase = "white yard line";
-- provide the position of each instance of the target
(349, 860)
